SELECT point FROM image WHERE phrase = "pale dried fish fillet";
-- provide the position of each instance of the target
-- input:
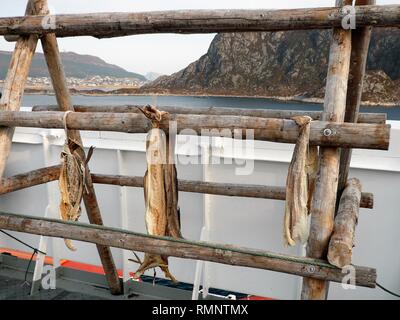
(72, 183)
(160, 192)
(300, 185)
(312, 163)
(171, 192)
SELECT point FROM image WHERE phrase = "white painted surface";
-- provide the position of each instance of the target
(254, 223)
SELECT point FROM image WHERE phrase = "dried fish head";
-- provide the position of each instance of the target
(153, 114)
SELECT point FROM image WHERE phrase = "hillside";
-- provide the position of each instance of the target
(283, 64)
(75, 65)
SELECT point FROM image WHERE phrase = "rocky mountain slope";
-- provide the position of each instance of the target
(282, 64)
(76, 65)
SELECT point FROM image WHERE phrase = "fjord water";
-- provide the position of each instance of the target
(198, 101)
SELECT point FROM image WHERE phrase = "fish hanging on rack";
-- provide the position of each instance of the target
(312, 163)
(300, 185)
(162, 214)
(72, 182)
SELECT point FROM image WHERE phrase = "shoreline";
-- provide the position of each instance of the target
(102, 93)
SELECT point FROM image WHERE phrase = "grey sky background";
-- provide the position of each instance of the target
(165, 53)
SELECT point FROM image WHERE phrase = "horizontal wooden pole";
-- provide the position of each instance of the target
(324, 133)
(215, 188)
(29, 179)
(104, 25)
(379, 118)
(181, 248)
(48, 174)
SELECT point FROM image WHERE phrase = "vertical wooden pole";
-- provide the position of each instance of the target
(324, 200)
(14, 84)
(57, 74)
(359, 53)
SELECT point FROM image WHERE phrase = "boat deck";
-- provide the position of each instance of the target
(16, 283)
(15, 289)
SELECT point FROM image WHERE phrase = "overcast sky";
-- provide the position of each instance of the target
(166, 53)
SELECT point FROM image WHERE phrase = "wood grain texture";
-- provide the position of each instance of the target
(226, 254)
(29, 179)
(378, 118)
(104, 25)
(324, 200)
(44, 175)
(342, 241)
(361, 37)
(374, 136)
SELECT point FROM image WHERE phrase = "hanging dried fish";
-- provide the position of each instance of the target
(72, 181)
(160, 191)
(171, 191)
(300, 185)
(311, 171)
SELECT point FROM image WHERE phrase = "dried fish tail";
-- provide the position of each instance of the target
(153, 261)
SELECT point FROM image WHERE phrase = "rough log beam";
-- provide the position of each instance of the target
(378, 118)
(29, 179)
(324, 198)
(14, 84)
(342, 241)
(103, 25)
(48, 174)
(225, 254)
(359, 53)
(57, 74)
(324, 133)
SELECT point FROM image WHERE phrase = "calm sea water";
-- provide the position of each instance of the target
(251, 103)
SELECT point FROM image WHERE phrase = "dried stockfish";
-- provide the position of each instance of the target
(160, 191)
(300, 185)
(312, 163)
(72, 181)
(171, 191)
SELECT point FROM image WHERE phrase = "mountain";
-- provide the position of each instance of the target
(284, 64)
(151, 76)
(75, 65)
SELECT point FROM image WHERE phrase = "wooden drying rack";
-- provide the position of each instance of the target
(337, 129)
